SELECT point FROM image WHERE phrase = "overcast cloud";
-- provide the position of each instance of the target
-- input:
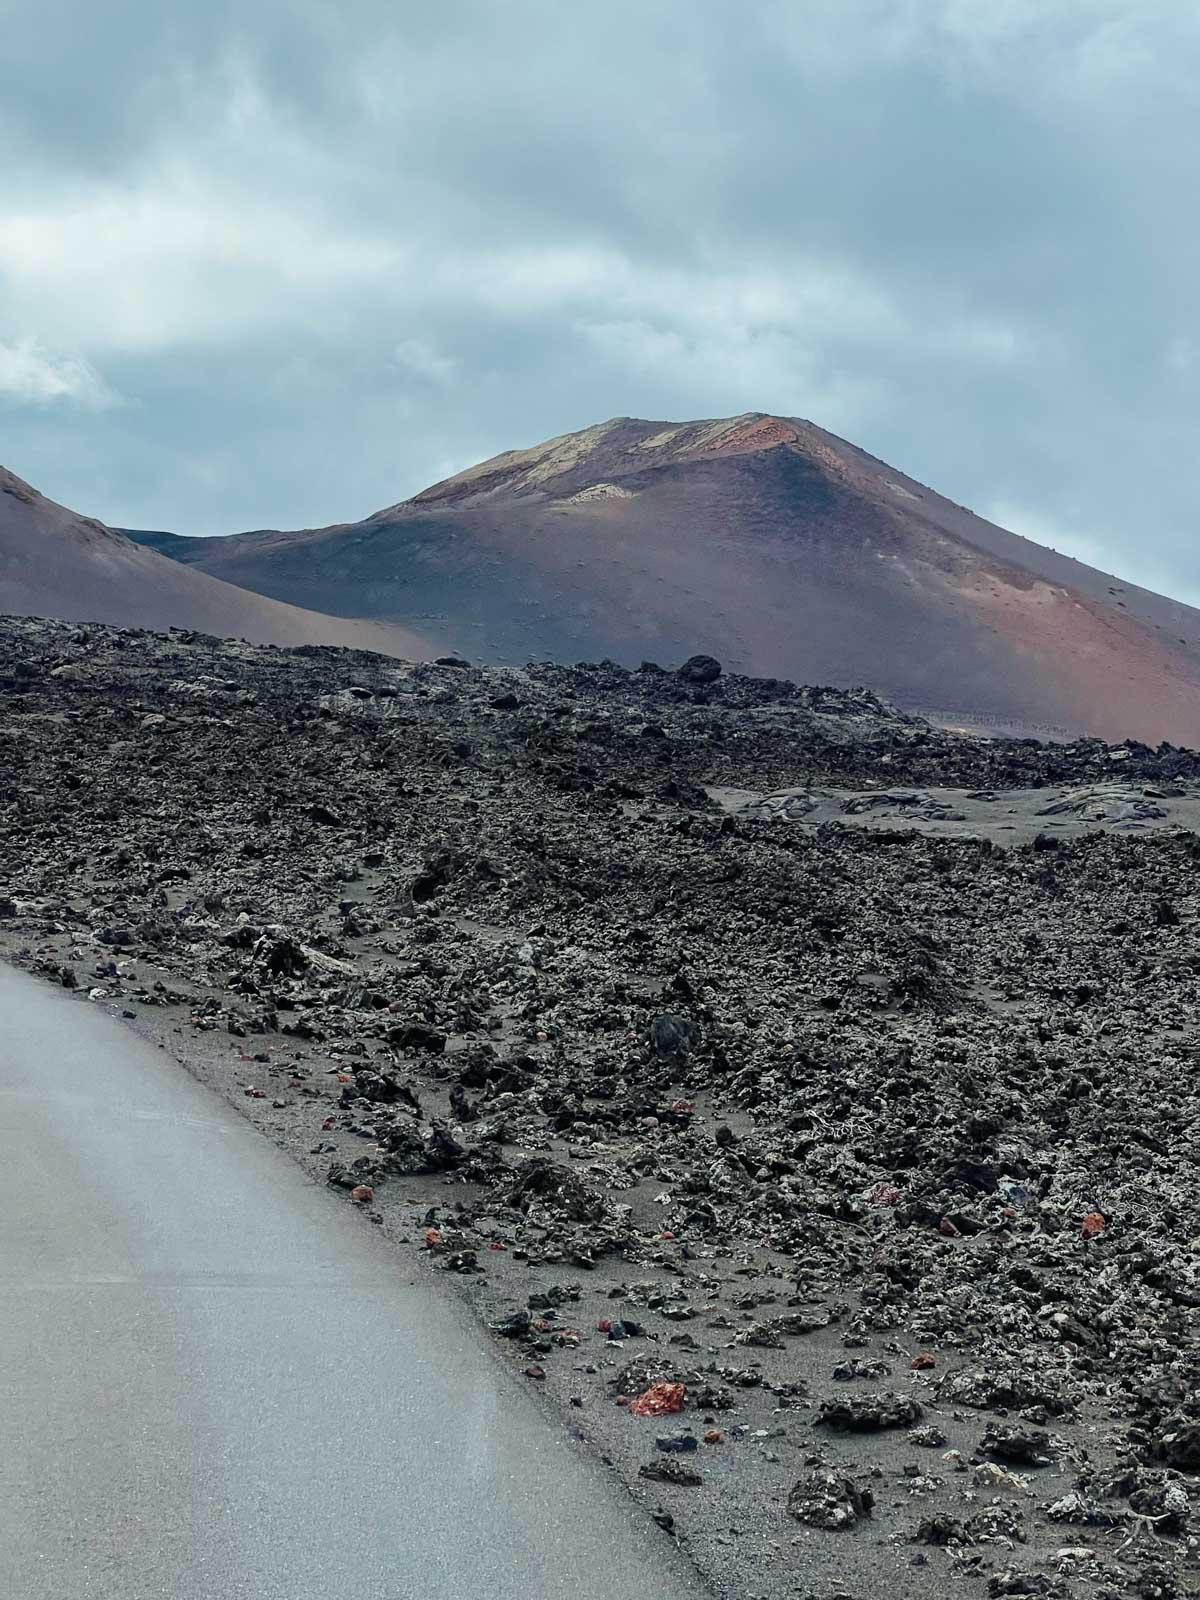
(282, 262)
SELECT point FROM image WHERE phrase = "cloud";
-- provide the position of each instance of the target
(31, 376)
(419, 357)
(176, 261)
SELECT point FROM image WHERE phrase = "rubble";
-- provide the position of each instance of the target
(708, 1035)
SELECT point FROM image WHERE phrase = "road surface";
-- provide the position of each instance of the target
(217, 1382)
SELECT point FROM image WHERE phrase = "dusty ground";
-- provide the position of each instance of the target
(1003, 816)
(870, 1122)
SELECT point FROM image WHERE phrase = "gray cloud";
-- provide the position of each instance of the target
(326, 254)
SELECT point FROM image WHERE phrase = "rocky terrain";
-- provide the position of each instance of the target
(766, 540)
(805, 1096)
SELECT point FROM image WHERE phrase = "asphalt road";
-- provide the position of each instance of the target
(217, 1382)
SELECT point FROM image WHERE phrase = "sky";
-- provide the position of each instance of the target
(280, 263)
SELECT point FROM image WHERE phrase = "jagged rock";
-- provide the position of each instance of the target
(868, 1413)
(827, 1498)
(700, 669)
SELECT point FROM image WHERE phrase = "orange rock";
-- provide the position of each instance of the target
(660, 1400)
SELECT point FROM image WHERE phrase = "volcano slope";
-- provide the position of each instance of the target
(838, 1181)
(55, 563)
(770, 543)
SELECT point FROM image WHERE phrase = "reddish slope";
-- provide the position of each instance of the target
(775, 545)
(57, 564)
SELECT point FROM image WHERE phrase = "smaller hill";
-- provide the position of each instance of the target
(55, 563)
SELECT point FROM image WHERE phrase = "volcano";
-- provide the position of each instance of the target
(763, 540)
